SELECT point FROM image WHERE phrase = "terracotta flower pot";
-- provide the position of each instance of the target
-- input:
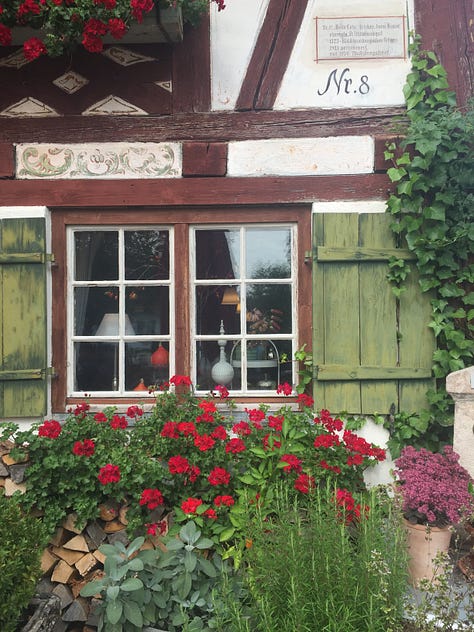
(424, 544)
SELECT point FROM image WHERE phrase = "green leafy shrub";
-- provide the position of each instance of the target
(20, 551)
(432, 208)
(172, 588)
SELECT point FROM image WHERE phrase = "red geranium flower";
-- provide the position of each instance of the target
(186, 428)
(134, 411)
(118, 421)
(117, 28)
(284, 389)
(100, 417)
(179, 379)
(255, 414)
(207, 407)
(170, 430)
(219, 476)
(33, 48)
(227, 501)
(84, 448)
(304, 483)
(275, 422)
(305, 400)
(210, 513)
(223, 392)
(152, 498)
(109, 474)
(178, 464)
(190, 505)
(242, 428)
(204, 442)
(294, 463)
(234, 446)
(219, 432)
(50, 429)
(5, 35)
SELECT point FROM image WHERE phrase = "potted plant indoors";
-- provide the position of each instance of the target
(60, 25)
(434, 492)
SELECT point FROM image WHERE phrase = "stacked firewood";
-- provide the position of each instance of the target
(71, 558)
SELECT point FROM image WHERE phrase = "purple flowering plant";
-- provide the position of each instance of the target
(433, 486)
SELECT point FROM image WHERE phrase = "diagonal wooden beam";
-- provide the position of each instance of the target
(271, 54)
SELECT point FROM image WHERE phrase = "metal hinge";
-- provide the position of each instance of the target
(28, 374)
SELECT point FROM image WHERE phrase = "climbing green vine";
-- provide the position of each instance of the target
(433, 210)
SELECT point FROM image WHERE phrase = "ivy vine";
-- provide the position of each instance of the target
(433, 210)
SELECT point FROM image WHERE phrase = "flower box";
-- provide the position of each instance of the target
(159, 26)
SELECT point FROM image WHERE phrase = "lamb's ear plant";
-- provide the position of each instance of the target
(174, 588)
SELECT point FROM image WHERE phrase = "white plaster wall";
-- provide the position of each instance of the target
(234, 32)
(233, 35)
(301, 156)
(364, 206)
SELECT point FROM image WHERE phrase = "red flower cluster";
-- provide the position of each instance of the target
(304, 483)
(51, 429)
(284, 389)
(134, 411)
(350, 511)
(235, 446)
(294, 463)
(152, 498)
(109, 474)
(190, 505)
(118, 421)
(226, 501)
(219, 476)
(84, 448)
(100, 417)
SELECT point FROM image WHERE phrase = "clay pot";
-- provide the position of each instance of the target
(424, 544)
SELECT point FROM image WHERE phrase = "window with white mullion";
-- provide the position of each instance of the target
(243, 300)
(121, 282)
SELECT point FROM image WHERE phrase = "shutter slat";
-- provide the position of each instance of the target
(327, 254)
(327, 372)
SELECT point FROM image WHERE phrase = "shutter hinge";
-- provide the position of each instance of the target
(28, 374)
(308, 256)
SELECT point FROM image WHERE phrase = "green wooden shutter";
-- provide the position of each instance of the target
(371, 352)
(23, 373)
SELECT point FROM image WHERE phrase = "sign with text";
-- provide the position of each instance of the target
(382, 37)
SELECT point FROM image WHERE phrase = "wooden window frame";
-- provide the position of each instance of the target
(181, 219)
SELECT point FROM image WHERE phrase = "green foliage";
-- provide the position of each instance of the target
(433, 206)
(172, 588)
(305, 371)
(353, 578)
(20, 551)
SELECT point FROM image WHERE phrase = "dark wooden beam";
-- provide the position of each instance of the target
(193, 191)
(271, 54)
(447, 28)
(205, 127)
(7, 160)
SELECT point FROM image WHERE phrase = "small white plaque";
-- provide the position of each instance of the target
(360, 38)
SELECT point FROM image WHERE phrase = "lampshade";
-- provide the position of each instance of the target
(109, 326)
(160, 357)
(230, 296)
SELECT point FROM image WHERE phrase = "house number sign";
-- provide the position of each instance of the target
(360, 38)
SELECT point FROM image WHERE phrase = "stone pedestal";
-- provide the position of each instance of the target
(460, 385)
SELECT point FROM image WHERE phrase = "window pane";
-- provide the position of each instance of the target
(269, 308)
(146, 365)
(268, 363)
(212, 369)
(147, 254)
(268, 253)
(217, 254)
(148, 309)
(90, 305)
(96, 255)
(96, 366)
(216, 303)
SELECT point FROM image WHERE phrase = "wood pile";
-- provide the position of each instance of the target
(71, 558)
